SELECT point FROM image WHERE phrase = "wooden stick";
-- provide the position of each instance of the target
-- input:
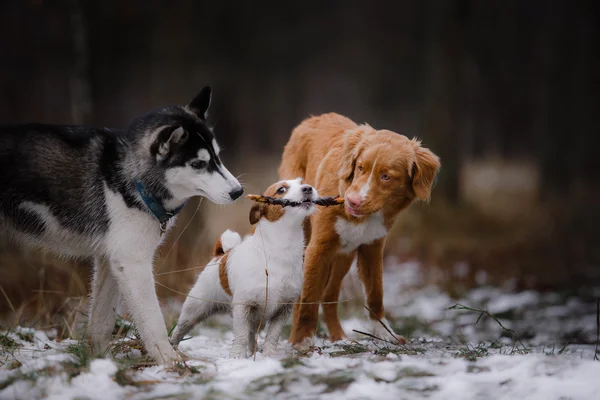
(323, 201)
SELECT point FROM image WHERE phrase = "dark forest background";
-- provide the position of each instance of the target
(505, 92)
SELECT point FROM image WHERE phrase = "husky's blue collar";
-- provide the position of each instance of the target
(155, 207)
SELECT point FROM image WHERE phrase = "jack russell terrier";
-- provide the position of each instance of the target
(235, 280)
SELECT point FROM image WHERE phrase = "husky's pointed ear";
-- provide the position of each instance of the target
(256, 212)
(201, 103)
(166, 140)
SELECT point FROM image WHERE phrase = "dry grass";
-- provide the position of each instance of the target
(39, 289)
(518, 346)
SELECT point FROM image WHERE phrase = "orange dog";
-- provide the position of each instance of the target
(379, 173)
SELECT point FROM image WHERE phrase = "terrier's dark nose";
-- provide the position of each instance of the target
(236, 193)
(307, 189)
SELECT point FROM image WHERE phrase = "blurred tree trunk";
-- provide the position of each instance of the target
(81, 99)
(444, 79)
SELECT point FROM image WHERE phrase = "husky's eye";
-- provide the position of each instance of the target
(199, 164)
(385, 177)
(359, 168)
(281, 190)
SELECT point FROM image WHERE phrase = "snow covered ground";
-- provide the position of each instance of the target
(451, 355)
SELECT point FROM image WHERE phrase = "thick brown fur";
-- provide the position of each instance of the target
(337, 156)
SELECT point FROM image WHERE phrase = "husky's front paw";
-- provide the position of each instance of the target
(378, 330)
(176, 336)
(167, 355)
(100, 344)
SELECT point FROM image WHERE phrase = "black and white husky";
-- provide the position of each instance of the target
(109, 196)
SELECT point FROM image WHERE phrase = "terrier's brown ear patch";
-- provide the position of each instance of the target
(256, 212)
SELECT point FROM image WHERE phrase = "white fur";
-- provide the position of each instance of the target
(364, 191)
(353, 235)
(185, 182)
(230, 239)
(127, 270)
(276, 246)
(216, 147)
(203, 154)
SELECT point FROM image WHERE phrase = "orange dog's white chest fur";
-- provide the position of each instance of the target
(353, 235)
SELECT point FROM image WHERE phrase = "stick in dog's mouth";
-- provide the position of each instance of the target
(323, 201)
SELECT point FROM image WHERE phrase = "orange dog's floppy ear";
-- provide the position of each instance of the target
(354, 144)
(256, 212)
(424, 171)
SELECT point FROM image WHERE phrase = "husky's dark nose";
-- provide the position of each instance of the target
(307, 189)
(234, 194)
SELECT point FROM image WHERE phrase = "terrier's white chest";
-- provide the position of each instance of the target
(353, 235)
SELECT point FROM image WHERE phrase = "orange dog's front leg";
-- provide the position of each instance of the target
(370, 272)
(317, 262)
(339, 268)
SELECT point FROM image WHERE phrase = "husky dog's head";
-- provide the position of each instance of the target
(181, 153)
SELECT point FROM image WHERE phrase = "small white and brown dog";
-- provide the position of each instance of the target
(235, 280)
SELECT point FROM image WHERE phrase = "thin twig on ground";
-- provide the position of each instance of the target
(374, 337)
(515, 338)
(405, 349)
(401, 341)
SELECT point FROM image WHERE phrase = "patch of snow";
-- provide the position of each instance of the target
(508, 302)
